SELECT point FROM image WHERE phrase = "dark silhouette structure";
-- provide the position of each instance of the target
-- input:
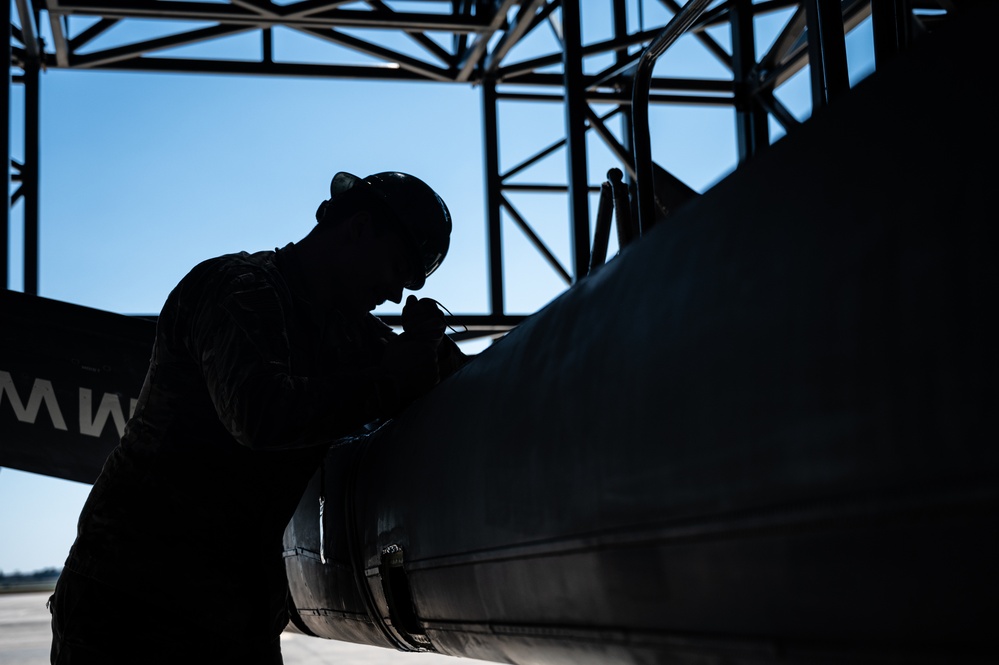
(763, 433)
(595, 82)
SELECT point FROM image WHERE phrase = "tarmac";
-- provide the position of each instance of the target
(25, 635)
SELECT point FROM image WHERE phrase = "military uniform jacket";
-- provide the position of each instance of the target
(246, 388)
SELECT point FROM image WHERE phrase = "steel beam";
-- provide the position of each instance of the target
(494, 196)
(619, 19)
(5, 154)
(826, 51)
(29, 176)
(231, 15)
(891, 24)
(478, 49)
(752, 134)
(575, 132)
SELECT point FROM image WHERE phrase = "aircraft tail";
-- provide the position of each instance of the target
(69, 379)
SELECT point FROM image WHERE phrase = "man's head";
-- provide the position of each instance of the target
(383, 233)
(405, 204)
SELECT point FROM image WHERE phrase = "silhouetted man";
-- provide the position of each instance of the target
(260, 361)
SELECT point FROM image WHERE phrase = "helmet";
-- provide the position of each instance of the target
(421, 215)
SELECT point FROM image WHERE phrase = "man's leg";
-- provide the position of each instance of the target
(79, 622)
(97, 624)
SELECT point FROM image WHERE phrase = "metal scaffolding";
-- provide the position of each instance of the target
(470, 42)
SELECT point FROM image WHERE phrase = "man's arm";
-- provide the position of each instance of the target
(240, 341)
(423, 318)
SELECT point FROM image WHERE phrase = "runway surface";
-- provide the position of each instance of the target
(25, 636)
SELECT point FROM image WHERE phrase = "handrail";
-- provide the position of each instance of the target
(640, 91)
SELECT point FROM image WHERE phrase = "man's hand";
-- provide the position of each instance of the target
(423, 319)
(412, 364)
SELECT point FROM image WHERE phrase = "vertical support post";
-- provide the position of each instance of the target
(601, 234)
(890, 22)
(575, 131)
(29, 176)
(751, 131)
(494, 236)
(619, 20)
(267, 45)
(5, 63)
(624, 219)
(826, 51)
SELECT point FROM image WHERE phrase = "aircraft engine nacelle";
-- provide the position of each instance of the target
(764, 432)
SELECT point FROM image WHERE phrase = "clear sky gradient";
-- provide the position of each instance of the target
(145, 175)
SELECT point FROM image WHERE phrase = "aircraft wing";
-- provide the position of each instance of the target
(69, 378)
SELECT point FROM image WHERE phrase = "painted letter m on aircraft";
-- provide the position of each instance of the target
(69, 377)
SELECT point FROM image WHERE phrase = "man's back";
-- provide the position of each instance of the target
(181, 501)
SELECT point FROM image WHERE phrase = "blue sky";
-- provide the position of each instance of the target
(144, 175)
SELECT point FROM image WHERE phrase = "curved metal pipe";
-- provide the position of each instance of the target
(640, 89)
